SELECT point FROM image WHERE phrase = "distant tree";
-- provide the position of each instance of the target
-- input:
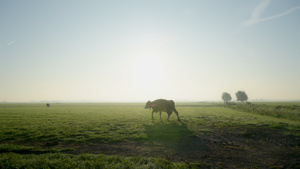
(241, 96)
(226, 97)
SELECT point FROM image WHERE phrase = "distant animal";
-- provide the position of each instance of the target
(48, 105)
(162, 105)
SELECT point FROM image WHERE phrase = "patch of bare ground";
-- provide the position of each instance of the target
(230, 147)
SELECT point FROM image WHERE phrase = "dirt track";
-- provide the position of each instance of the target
(231, 147)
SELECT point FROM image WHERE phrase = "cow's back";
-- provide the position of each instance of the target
(164, 105)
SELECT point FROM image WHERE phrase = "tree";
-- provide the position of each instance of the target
(226, 97)
(241, 96)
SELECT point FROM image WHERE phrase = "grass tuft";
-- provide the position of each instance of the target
(58, 160)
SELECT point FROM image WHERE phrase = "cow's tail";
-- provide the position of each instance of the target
(174, 109)
(176, 112)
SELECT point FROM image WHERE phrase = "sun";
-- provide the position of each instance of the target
(147, 71)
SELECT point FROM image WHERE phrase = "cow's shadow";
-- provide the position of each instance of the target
(173, 135)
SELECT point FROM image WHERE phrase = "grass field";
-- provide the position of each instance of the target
(122, 135)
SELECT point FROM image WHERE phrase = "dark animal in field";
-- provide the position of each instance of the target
(162, 105)
(48, 105)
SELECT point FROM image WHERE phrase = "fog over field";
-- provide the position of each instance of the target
(135, 51)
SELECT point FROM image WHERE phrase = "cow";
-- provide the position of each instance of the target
(162, 105)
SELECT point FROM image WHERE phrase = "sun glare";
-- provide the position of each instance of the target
(147, 71)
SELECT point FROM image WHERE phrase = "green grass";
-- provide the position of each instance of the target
(43, 134)
(66, 161)
(70, 124)
(81, 124)
(286, 110)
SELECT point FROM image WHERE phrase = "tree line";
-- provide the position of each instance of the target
(240, 96)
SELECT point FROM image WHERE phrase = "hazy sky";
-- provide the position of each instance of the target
(140, 50)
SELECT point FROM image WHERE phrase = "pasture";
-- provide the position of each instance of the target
(122, 135)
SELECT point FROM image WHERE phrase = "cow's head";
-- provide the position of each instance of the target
(149, 105)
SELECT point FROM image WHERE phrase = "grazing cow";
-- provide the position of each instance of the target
(48, 105)
(162, 105)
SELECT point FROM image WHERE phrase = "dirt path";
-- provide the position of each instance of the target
(232, 147)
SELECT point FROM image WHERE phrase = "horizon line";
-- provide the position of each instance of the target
(180, 101)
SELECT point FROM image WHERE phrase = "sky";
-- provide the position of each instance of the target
(140, 50)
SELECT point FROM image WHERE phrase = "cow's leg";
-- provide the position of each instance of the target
(152, 115)
(169, 114)
(176, 112)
